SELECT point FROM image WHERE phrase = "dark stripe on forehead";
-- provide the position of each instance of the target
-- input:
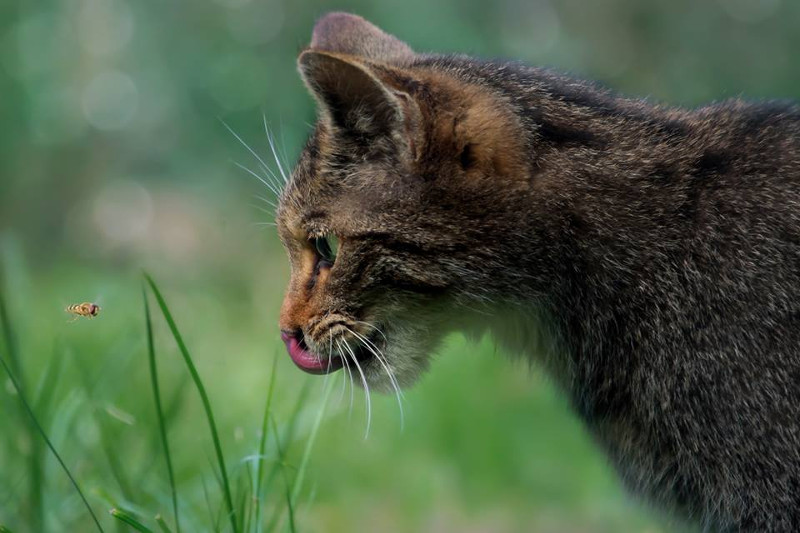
(313, 216)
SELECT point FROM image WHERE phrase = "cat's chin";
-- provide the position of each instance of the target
(404, 359)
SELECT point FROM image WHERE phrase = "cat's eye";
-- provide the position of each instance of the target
(327, 247)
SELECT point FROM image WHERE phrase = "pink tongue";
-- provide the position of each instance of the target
(306, 360)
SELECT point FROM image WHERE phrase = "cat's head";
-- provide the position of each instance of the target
(391, 213)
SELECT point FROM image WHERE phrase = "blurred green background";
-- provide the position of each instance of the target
(113, 159)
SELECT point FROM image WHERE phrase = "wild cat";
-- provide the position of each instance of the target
(647, 256)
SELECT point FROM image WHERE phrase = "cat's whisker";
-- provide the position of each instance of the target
(381, 356)
(327, 387)
(350, 374)
(275, 180)
(328, 371)
(369, 345)
(274, 152)
(266, 201)
(262, 209)
(283, 146)
(258, 157)
(385, 340)
(270, 224)
(269, 185)
(373, 326)
(366, 387)
(344, 375)
(275, 190)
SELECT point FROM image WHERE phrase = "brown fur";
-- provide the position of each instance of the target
(646, 255)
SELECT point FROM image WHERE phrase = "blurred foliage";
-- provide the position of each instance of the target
(114, 157)
(101, 92)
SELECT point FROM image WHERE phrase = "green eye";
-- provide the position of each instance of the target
(327, 247)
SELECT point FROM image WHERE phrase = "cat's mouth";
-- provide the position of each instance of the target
(313, 363)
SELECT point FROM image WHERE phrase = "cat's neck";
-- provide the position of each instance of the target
(618, 196)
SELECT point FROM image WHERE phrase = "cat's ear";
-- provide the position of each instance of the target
(344, 33)
(366, 100)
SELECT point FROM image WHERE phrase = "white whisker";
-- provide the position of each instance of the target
(382, 334)
(262, 209)
(266, 201)
(369, 345)
(274, 153)
(261, 161)
(328, 372)
(350, 374)
(344, 374)
(283, 146)
(272, 187)
(366, 388)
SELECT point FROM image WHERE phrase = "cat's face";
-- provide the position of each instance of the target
(388, 211)
(361, 293)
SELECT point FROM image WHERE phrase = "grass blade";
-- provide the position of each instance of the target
(162, 427)
(286, 482)
(292, 527)
(242, 506)
(11, 340)
(173, 408)
(48, 384)
(162, 524)
(36, 495)
(298, 481)
(4, 529)
(262, 445)
(111, 453)
(290, 428)
(130, 519)
(247, 510)
(203, 396)
(21, 395)
(214, 526)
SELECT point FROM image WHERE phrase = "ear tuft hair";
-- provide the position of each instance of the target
(344, 33)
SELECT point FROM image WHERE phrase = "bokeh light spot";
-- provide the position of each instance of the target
(238, 81)
(123, 211)
(750, 10)
(110, 100)
(257, 23)
(105, 26)
(530, 29)
(233, 4)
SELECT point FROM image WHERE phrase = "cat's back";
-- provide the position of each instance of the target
(745, 184)
(744, 138)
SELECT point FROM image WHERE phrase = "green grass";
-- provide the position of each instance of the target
(201, 390)
(162, 425)
(21, 394)
(129, 518)
(127, 503)
(487, 444)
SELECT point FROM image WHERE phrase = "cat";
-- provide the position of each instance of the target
(647, 256)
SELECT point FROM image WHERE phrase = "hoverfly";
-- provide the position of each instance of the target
(87, 309)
